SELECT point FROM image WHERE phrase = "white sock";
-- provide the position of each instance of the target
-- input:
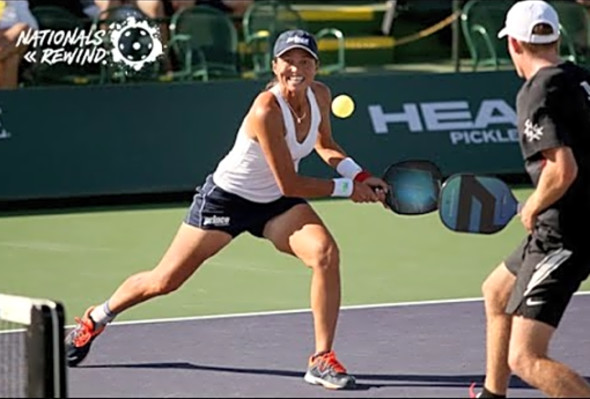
(102, 315)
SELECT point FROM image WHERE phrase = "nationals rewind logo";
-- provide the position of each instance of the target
(130, 44)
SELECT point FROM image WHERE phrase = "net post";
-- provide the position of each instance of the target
(46, 354)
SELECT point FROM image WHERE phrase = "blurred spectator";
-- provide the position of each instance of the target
(89, 8)
(79, 8)
(154, 9)
(236, 8)
(15, 17)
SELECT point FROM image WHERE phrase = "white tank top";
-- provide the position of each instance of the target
(244, 171)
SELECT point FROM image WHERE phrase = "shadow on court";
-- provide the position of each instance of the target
(425, 350)
(409, 380)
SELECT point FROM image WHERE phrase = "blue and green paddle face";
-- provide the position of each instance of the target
(414, 187)
(476, 204)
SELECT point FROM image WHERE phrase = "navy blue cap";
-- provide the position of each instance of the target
(296, 38)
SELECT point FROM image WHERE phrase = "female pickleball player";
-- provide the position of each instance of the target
(256, 188)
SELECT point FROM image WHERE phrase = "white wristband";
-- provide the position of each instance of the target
(348, 168)
(343, 187)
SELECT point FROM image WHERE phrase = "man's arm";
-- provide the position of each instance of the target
(558, 174)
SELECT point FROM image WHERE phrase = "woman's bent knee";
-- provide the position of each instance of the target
(325, 256)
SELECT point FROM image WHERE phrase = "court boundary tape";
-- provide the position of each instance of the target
(306, 310)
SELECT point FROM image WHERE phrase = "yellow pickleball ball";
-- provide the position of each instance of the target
(342, 106)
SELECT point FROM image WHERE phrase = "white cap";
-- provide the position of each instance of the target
(522, 18)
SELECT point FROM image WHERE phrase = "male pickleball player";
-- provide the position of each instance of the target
(527, 295)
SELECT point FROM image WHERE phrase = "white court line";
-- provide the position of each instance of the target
(294, 311)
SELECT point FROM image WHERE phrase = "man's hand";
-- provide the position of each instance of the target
(558, 174)
(528, 216)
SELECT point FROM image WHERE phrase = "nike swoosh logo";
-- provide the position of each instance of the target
(532, 302)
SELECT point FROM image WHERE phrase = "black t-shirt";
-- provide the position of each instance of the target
(553, 110)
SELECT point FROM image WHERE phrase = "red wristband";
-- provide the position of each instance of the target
(362, 176)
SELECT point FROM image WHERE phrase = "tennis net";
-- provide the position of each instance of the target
(32, 356)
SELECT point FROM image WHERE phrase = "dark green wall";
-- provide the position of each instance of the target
(82, 141)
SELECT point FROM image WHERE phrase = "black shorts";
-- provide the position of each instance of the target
(547, 275)
(215, 209)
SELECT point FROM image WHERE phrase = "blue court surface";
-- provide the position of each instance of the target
(424, 349)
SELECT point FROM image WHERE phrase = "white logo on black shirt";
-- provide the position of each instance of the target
(531, 131)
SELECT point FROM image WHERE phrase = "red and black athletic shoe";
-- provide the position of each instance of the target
(80, 338)
(326, 370)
